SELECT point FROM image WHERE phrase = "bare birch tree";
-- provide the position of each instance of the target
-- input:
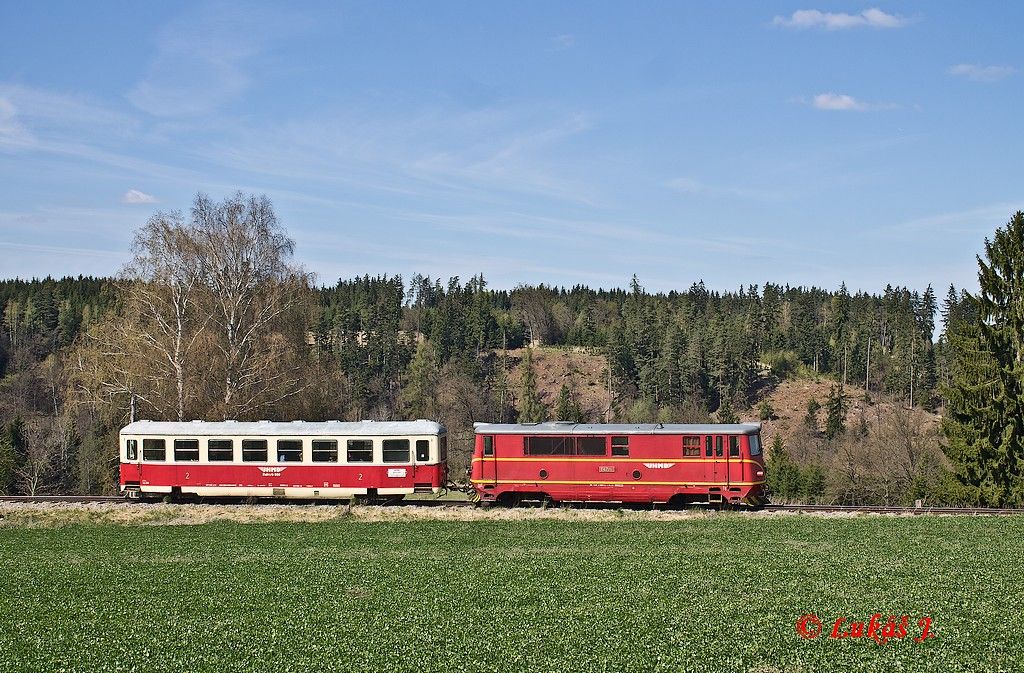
(255, 295)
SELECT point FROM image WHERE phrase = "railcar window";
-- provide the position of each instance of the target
(359, 451)
(718, 446)
(755, 445)
(289, 450)
(396, 450)
(186, 450)
(154, 449)
(325, 450)
(220, 450)
(620, 446)
(489, 445)
(254, 450)
(707, 446)
(691, 445)
(423, 450)
(734, 446)
(591, 446)
(549, 446)
(132, 449)
(444, 448)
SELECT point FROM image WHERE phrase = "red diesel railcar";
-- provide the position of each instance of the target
(283, 460)
(647, 463)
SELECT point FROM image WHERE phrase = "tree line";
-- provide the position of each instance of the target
(213, 318)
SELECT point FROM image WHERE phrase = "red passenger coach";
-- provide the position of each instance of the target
(656, 463)
(283, 460)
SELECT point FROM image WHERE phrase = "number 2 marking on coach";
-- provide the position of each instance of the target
(360, 477)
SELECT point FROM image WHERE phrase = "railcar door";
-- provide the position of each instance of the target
(488, 460)
(721, 464)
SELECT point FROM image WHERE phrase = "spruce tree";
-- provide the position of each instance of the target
(567, 408)
(835, 409)
(984, 419)
(531, 409)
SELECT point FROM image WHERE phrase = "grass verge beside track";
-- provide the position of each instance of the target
(714, 593)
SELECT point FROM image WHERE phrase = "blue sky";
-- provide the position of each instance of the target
(806, 143)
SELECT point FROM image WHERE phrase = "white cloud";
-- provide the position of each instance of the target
(813, 18)
(135, 196)
(203, 58)
(698, 188)
(981, 73)
(563, 42)
(837, 101)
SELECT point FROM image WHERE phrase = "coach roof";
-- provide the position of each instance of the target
(284, 429)
(615, 429)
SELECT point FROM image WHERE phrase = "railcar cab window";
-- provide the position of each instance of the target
(755, 445)
(132, 449)
(443, 455)
(289, 450)
(220, 450)
(325, 450)
(734, 446)
(396, 450)
(489, 446)
(359, 451)
(422, 450)
(708, 451)
(620, 446)
(547, 446)
(591, 446)
(154, 449)
(254, 450)
(186, 450)
(691, 445)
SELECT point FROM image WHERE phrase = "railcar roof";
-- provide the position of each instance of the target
(615, 428)
(284, 428)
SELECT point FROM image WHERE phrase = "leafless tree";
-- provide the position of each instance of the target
(245, 261)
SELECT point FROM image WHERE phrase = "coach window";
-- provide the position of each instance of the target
(254, 450)
(186, 450)
(359, 451)
(734, 446)
(620, 446)
(132, 449)
(396, 450)
(755, 445)
(220, 450)
(423, 450)
(489, 446)
(718, 446)
(590, 446)
(289, 450)
(154, 449)
(325, 450)
(443, 449)
(691, 446)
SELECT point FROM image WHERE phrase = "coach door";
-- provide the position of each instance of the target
(488, 461)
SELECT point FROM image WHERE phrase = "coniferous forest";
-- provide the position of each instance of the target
(214, 318)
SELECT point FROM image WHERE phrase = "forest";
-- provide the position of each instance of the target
(214, 318)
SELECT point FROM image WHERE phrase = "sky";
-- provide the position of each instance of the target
(803, 143)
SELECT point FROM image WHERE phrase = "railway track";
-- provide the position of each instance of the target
(881, 509)
(827, 509)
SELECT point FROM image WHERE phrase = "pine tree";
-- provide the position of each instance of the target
(567, 408)
(418, 395)
(984, 419)
(531, 409)
(725, 412)
(835, 408)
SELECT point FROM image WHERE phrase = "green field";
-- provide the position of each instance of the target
(716, 593)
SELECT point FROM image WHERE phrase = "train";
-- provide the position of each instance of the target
(376, 461)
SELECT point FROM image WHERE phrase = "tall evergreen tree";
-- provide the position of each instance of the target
(984, 420)
(835, 409)
(531, 409)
